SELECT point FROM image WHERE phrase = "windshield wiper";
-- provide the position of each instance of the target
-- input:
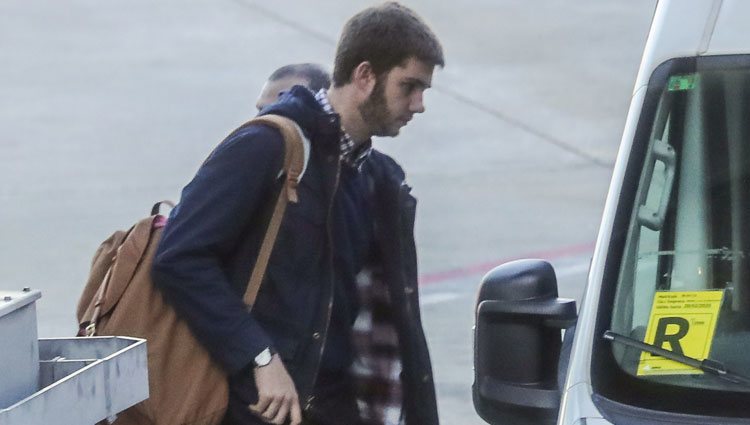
(709, 366)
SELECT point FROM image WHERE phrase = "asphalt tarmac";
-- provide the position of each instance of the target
(107, 107)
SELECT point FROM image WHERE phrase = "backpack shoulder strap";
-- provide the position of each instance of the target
(296, 155)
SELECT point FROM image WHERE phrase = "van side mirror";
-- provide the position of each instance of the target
(517, 341)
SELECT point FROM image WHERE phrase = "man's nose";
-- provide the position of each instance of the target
(417, 103)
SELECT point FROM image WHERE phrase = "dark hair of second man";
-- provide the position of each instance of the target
(314, 73)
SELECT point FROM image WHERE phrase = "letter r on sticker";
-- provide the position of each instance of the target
(677, 331)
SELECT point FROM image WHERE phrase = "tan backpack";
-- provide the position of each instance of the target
(186, 386)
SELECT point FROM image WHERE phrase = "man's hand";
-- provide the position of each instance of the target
(277, 396)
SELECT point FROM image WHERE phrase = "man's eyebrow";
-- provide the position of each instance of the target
(416, 81)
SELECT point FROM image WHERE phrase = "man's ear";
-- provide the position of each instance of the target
(364, 78)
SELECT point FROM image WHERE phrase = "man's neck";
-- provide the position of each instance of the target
(351, 119)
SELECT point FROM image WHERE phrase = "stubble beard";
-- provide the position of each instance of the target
(375, 112)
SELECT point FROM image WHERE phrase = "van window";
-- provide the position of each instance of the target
(683, 280)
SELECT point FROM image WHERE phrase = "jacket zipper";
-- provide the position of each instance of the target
(329, 230)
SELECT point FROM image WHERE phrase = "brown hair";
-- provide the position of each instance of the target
(385, 36)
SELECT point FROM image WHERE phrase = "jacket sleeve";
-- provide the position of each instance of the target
(203, 229)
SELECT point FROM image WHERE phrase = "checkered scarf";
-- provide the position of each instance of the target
(377, 367)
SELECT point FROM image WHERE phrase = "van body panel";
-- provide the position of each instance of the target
(579, 372)
(680, 28)
(577, 406)
(678, 229)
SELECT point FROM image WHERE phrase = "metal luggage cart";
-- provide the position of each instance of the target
(63, 381)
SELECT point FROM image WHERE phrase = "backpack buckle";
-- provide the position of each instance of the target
(91, 329)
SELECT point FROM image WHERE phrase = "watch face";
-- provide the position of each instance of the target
(263, 358)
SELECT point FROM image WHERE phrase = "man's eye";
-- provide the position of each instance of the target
(409, 87)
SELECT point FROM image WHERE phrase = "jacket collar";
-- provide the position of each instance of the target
(300, 104)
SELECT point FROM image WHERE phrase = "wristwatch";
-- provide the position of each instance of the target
(264, 358)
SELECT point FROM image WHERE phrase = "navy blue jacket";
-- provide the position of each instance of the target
(213, 236)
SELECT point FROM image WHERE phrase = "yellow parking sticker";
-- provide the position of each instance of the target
(682, 322)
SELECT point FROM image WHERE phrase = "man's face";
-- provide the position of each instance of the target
(270, 91)
(396, 97)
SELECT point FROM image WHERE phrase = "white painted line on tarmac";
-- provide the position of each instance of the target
(439, 297)
(482, 268)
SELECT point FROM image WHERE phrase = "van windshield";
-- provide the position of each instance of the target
(683, 282)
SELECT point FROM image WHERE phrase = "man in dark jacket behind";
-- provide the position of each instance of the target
(335, 335)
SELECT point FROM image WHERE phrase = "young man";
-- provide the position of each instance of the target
(309, 75)
(335, 335)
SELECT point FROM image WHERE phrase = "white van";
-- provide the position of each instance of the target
(663, 334)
